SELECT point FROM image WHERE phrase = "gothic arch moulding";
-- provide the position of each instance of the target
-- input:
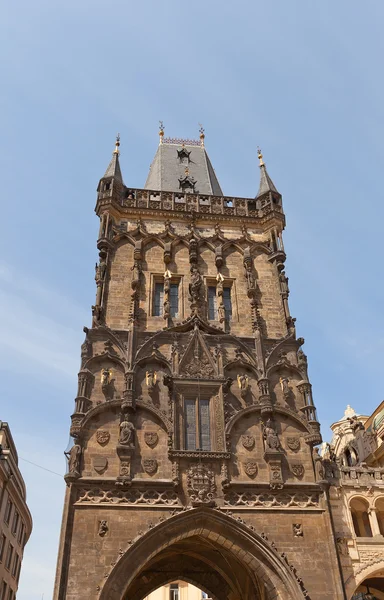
(197, 533)
(373, 569)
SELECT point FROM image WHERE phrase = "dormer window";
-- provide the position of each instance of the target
(183, 156)
(187, 183)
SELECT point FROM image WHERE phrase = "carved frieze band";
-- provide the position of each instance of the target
(131, 496)
(270, 500)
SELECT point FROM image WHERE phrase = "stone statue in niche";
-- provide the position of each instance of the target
(297, 529)
(302, 362)
(136, 274)
(284, 383)
(243, 383)
(103, 528)
(283, 279)
(318, 463)
(151, 380)
(127, 431)
(221, 312)
(355, 423)
(74, 457)
(105, 377)
(270, 436)
(195, 285)
(251, 281)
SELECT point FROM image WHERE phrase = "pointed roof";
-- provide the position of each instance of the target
(113, 169)
(266, 183)
(168, 169)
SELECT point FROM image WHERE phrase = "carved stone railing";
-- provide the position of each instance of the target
(185, 202)
(362, 476)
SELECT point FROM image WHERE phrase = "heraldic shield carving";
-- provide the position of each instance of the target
(248, 441)
(293, 443)
(102, 437)
(151, 438)
(201, 485)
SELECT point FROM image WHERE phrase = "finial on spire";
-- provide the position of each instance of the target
(116, 150)
(202, 135)
(186, 171)
(161, 131)
(260, 157)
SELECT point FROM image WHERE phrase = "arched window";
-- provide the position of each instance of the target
(380, 513)
(360, 517)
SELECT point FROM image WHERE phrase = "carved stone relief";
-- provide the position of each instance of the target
(100, 464)
(297, 470)
(150, 465)
(102, 437)
(151, 438)
(297, 529)
(251, 468)
(293, 443)
(248, 441)
(201, 485)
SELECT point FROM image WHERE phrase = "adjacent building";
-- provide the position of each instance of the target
(354, 466)
(15, 518)
(194, 427)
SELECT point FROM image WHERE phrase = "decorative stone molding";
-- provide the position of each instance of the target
(272, 500)
(248, 441)
(132, 496)
(151, 438)
(150, 465)
(251, 468)
(297, 470)
(201, 485)
(293, 443)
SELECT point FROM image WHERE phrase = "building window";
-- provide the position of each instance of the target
(8, 511)
(212, 303)
(15, 565)
(197, 424)
(15, 523)
(159, 300)
(9, 557)
(2, 547)
(360, 517)
(21, 534)
(158, 305)
(3, 593)
(227, 303)
(174, 591)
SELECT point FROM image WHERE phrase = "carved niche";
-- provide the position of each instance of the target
(151, 438)
(201, 485)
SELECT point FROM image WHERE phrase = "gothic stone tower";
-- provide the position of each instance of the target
(194, 423)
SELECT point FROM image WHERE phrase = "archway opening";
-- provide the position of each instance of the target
(360, 517)
(371, 588)
(203, 564)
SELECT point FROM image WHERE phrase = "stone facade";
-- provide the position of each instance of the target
(15, 518)
(194, 424)
(354, 467)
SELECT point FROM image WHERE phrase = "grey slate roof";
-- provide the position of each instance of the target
(113, 169)
(167, 170)
(266, 183)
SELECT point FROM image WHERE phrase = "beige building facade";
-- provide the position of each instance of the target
(15, 518)
(354, 465)
(195, 430)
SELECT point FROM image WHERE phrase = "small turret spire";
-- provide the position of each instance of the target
(202, 135)
(117, 144)
(113, 169)
(161, 132)
(266, 183)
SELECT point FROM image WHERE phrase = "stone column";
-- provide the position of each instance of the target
(372, 513)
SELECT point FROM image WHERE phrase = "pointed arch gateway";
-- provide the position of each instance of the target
(209, 549)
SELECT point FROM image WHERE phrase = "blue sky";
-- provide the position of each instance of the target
(301, 79)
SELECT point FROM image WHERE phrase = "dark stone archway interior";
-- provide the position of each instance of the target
(203, 563)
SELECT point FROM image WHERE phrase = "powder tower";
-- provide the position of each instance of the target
(194, 427)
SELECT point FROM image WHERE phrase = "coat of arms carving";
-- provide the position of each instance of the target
(251, 469)
(293, 443)
(248, 441)
(297, 470)
(201, 485)
(151, 438)
(150, 465)
(102, 437)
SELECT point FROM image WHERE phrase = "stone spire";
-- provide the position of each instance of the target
(113, 169)
(266, 184)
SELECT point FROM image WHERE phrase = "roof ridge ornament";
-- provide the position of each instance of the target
(161, 131)
(117, 144)
(260, 157)
(202, 135)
